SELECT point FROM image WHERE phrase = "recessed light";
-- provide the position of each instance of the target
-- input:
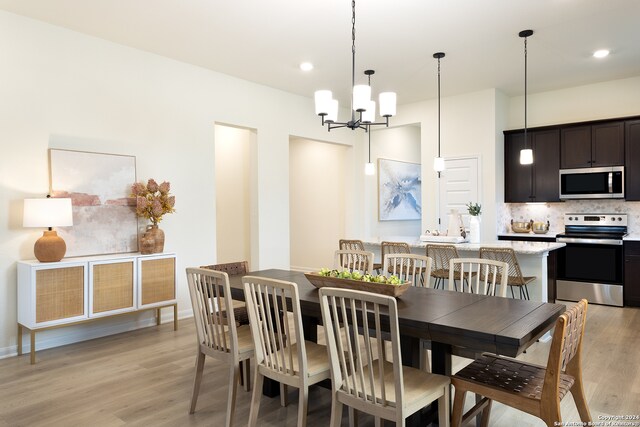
(306, 66)
(600, 53)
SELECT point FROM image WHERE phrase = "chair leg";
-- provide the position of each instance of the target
(378, 422)
(443, 408)
(577, 391)
(234, 379)
(198, 379)
(353, 417)
(284, 395)
(526, 290)
(336, 413)
(458, 407)
(255, 399)
(303, 402)
(486, 413)
(245, 372)
(512, 294)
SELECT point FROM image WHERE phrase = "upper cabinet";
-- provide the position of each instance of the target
(632, 160)
(537, 182)
(596, 145)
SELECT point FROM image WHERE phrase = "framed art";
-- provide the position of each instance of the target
(99, 185)
(399, 190)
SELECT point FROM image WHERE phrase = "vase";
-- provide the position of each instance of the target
(158, 238)
(147, 244)
(474, 229)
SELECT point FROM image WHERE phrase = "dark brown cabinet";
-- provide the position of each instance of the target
(632, 274)
(632, 160)
(537, 182)
(595, 145)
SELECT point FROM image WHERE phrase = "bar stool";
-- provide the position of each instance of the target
(441, 255)
(515, 274)
(358, 245)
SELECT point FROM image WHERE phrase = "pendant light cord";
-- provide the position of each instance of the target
(525, 93)
(353, 55)
(438, 107)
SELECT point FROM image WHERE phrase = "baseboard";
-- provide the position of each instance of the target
(92, 330)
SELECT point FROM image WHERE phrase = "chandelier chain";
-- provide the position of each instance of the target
(438, 107)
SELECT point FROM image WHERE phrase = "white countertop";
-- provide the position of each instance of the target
(633, 237)
(520, 247)
(551, 233)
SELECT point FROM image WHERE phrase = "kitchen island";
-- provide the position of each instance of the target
(532, 257)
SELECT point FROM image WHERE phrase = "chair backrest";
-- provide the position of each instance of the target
(359, 370)
(441, 255)
(387, 248)
(479, 276)
(353, 260)
(231, 268)
(410, 267)
(208, 289)
(566, 346)
(351, 244)
(507, 255)
(268, 302)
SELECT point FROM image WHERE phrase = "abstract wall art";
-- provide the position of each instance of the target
(399, 190)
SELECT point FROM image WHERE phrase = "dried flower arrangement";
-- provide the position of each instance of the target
(153, 200)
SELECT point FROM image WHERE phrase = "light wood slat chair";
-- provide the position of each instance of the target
(358, 245)
(441, 255)
(282, 354)
(353, 260)
(388, 248)
(363, 378)
(515, 274)
(409, 267)
(530, 388)
(479, 276)
(217, 337)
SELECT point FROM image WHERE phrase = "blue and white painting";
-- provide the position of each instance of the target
(399, 190)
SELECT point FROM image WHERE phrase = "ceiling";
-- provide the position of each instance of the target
(265, 41)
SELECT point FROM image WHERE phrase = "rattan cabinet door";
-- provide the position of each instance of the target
(112, 287)
(59, 294)
(157, 280)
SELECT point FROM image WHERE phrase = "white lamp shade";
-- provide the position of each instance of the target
(49, 212)
(388, 104)
(438, 164)
(322, 101)
(369, 169)
(332, 116)
(361, 97)
(526, 156)
(369, 116)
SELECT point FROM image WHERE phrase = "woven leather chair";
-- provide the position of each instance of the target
(515, 274)
(530, 388)
(362, 377)
(389, 248)
(234, 269)
(441, 255)
(358, 245)
(217, 337)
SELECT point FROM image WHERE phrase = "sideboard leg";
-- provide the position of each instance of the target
(158, 312)
(33, 347)
(175, 317)
(19, 339)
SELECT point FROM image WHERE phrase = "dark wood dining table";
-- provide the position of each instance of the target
(447, 319)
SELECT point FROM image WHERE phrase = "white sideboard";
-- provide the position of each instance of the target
(77, 290)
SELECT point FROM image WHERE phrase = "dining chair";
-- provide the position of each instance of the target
(530, 388)
(409, 267)
(234, 269)
(217, 337)
(353, 260)
(363, 377)
(441, 255)
(388, 248)
(282, 354)
(515, 279)
(479, 276)
(358, 245)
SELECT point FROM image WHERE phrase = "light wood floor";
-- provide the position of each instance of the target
(145, 377)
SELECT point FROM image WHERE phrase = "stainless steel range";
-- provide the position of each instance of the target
(591, 266)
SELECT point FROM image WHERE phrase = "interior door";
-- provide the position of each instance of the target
(458, 185)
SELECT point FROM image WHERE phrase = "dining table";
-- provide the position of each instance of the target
(446, 319)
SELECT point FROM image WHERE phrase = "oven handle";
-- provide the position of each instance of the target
(589, 241)
(610, 182)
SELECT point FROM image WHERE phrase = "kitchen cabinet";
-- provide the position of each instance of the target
(83, 289)
(538, 182)
(632, 273)
(596, 145)
(632, 160)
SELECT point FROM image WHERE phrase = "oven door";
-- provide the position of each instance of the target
(591, 269)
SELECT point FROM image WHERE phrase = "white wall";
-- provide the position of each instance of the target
(62, 89)
(233, 198)
(318, 195)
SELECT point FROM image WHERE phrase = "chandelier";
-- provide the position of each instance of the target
(361, 103)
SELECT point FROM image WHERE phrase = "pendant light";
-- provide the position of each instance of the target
(526, 154)
(438, 162)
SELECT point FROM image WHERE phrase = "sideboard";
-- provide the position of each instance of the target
(78, 290)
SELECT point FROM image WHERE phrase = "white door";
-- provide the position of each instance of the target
(459, 184)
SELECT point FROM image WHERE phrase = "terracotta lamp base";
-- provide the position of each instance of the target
(50, 247)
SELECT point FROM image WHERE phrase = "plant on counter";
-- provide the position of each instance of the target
(356, 275)
(474, 209)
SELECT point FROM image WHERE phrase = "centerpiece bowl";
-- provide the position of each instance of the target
(335, 282)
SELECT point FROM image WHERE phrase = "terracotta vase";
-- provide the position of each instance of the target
(158, 238)
(147, 244)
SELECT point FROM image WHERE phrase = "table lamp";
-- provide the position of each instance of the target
(49, 212)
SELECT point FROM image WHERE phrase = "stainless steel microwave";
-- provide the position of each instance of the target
(592, 183)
